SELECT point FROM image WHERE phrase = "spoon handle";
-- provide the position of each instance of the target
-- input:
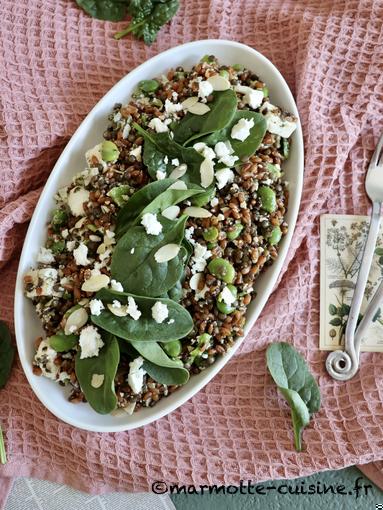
(343, 365)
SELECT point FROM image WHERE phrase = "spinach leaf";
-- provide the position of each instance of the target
(139, 272)
(7, 353)
(164, 375)
(61, 342)
(297, 385)
(110, 10)
(222, 110)
(175, 293)
(148, 17)
(145, 329)
(137, 203)
(246, 148)
(103, 399)
(159, 145)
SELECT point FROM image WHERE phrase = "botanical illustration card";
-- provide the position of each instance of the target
(342, 242)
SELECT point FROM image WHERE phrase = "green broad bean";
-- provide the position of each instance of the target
(157, 102)
(148, 85)
(275, 236)
(273, 171)
(109, 151)
(222, 269)
(268, 199)
(224, 307)
(61, 342)
(237, 67)
(119, 193)
(285, 148)
(91, 227)
(211, 234)
(265, 91)
(235, 232)
(172, 349)
(224, 74)
(211, 246)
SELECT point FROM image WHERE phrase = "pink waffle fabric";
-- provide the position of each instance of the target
(56, 63)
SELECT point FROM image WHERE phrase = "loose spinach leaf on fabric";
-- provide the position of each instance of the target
(139, 272)
(109, 10)
(222, 111)
(137, 202)
(148, 17)
(7, 353)
(246, 148)
(159, 145)
(103, 399)
(144, 329)
(297, 385)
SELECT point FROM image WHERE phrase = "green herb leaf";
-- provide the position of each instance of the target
(145, 329)
(221, 114)
(139, 272)
(109, 10)
(7, 353)
(298, 386)
(102, 399)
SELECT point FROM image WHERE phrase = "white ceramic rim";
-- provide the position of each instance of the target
(165, 406)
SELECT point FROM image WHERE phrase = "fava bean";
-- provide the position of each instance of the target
(211, 234)
(275, 236)
(109, 151)
(148, 85)
(235, 232)
(222, 269)
(172, 349)
(268, 199)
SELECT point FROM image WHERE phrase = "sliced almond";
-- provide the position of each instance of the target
(167, 252)
(178, 185)
(190, 101)
(178, 172)
(171, 212)
(197, 212)
(101, 248)
(75, 321)
(97, 380)
(195, 280)
(199, 109)
(79, 223)
(219, 82)
(94, 238)
(95, 283)
(207, 172)
(118, 311)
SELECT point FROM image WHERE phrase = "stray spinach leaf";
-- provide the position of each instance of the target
(246, 148)
(144, 329)
(7, 353)
(148, 17)
(103, 399)
(109, 10)
(222, 110)
(139, 272)
(297, 385)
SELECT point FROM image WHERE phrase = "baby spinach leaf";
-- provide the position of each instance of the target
(139, 272)
(246, 148)
(138, 201)
(7, 353)
(144, 329)
(61, 342)
(110, 10)
(102, 399)
(165, 375)
(222, 110)
(175, 293)
(297, 385)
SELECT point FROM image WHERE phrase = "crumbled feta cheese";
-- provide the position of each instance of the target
(158, 125)
(132, 309)
(76, 199)
(200, 256)
(80, 255)
(166, 160)
(171, 321)
(93, 156)
(160, 175)
(45, 256)
(65, 233)
(160, 312)
(205, 88)
(174, 95)
(229, 160)
(44, 358)
(151, 224)
(172, 108)
(175, 162)
(278, 125)
(136, 152)
(132, 251)
(70, 245)
(126, 131)
(252, 97)
(214, 202)
(117, 117)
(204, 150)
(136, 374)
(241, 130)
(189, 232)
(48, 276)
(96, 306)
(63, 376)
(115, 285)
(227, 296)
(90, 342)
(223, 177)
(116, 303)
(223, 149)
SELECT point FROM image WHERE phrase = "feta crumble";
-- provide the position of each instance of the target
(45, 256)
(96, 306)
(80, 255)
(160, 175)
(200, 256)
(241, 130)
(115, 285)
(227, 296)
(175, 162)
(172, 108)
(136, 374)
(278, 125)
(151, 224)
(158, 125)
(223, 177)
(160, 312)
(132, 309)
(76, 199)
(90, 342)
(205, 88)
(44, 358)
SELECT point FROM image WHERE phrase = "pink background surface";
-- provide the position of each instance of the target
(55, 64)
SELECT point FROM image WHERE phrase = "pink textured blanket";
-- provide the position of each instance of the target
(55, 64)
